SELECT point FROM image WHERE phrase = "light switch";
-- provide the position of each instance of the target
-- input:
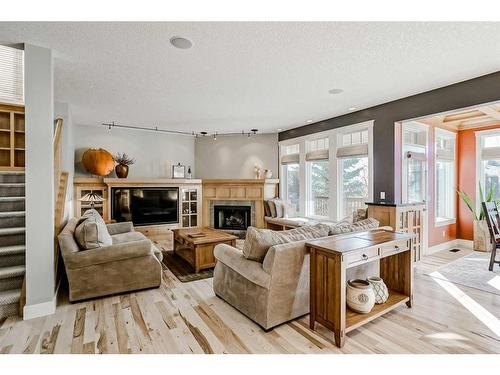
(382, 195)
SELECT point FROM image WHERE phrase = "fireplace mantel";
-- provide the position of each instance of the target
(256, 190)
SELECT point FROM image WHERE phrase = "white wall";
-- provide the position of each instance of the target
(39, 119)
(63, 110)
(235, 156)
(155, 153)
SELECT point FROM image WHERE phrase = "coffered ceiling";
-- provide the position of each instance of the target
(239, 76)
(470, 118)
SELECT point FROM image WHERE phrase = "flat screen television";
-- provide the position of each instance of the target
(145, 206)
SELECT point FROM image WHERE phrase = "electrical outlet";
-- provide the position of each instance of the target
(444, 233)
(382, 195)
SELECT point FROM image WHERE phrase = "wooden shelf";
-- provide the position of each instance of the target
(19, 131)
(355, 320)
(5, 130)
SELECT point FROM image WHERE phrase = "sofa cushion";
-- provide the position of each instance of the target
(358, 226)
(359, 214)
(127, 237)
(91, 233)
(258, 241)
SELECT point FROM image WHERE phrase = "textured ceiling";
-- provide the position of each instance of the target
(239, 76)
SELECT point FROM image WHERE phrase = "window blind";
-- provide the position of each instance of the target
(490, 153)
(317, 155)
(11, 75)
(349, 151)
(290, 159)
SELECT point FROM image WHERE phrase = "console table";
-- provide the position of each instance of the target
(331, 258)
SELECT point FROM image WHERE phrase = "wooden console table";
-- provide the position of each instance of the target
(332, 257)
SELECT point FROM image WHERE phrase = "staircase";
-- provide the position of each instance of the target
(12, 241)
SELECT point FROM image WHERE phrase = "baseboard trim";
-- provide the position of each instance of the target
(41, 309)
(449, 245)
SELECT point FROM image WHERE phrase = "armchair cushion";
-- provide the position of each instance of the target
(127, 237)
(258, 241)
(117, 228)
(108, 254)
(250, 270)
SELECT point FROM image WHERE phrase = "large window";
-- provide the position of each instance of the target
(414, 163)
(445, 177)
(291, 177)
(318, 178)
(488, 156)
(353, 176)
(328, 175)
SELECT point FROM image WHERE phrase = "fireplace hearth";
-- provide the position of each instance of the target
(232, 217)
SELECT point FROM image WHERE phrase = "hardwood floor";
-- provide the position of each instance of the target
(189, 318)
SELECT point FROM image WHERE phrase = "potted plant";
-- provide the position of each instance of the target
(123, 161)
(482, 241)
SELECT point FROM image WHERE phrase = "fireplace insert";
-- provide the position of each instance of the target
(232, 217)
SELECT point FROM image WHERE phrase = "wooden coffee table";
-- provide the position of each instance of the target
(199, 251)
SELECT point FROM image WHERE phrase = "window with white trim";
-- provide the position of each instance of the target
(445, 176)
(353, 176)
(488, 165)
(414, 163)
(11, 75)
(317, 178)
(291, 177)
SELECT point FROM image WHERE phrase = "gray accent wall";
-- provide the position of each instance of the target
(155, 153)
(235, 156)
(484, 89)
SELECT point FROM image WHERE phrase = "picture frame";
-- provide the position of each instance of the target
(178, 171)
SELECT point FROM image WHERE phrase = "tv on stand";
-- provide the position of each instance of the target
(145, 206)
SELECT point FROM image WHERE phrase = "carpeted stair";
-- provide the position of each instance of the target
(12, 241)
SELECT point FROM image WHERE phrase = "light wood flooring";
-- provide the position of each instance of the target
(189, 318)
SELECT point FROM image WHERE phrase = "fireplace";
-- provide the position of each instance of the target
(232, 217)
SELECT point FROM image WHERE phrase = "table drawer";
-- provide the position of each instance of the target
(361, 256)
(394, 248)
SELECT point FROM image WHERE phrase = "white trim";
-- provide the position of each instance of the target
(40, 309)
(451, 157)
(480, 134)
(443, 222)
(449, 245)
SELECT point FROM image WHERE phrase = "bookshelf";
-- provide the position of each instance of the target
(11, 137)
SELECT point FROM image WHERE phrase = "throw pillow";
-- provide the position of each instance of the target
(258, 241)
(272, 207)
(267, 209)
(358, 226)
(91, 232)
(359, 214)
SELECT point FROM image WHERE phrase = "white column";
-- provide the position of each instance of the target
(39, 158)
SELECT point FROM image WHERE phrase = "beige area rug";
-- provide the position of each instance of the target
(471, 271)
(183, 270)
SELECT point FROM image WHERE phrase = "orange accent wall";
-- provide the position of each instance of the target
(467, 178)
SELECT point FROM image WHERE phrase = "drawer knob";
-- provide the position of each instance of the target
(364, 256)
(396, 247)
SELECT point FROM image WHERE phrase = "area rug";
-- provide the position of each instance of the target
(183, 270)
(471, 271)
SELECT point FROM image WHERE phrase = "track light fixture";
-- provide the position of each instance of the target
(112, 124)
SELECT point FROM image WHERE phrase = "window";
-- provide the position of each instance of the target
(414, 163)
(318, 181)
(353, 172)
(488, 156)
(11, 75)
(327, 175)
(291, 177)
(445, 177)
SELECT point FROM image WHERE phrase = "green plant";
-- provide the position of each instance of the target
(468, 201)
(123, 159)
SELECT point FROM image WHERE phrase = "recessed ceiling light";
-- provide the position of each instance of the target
(180, 42)
(352, 108)
(279, 129)
(335, 91)
(309, 121)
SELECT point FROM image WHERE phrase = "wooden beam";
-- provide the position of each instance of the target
(490, 111)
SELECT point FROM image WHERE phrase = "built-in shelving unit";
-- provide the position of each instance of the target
(189, 207)
(11, 137)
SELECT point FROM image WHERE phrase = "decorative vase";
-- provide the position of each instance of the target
(98, 162)
(268, 173)
(482, 240)
(121, 171)
(359, 295)
(379, 289)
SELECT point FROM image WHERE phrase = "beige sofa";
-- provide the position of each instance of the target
(272, 292)
(132, 262)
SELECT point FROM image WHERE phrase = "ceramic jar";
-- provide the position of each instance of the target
(268, 173)
(359, 295)
(121, 171)
(379, 289)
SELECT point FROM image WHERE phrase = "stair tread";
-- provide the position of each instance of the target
(9, 296)
(12, 199)
(12, 184)
(12, 271)
(13, 249)
(12, 213)
(14, 230)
